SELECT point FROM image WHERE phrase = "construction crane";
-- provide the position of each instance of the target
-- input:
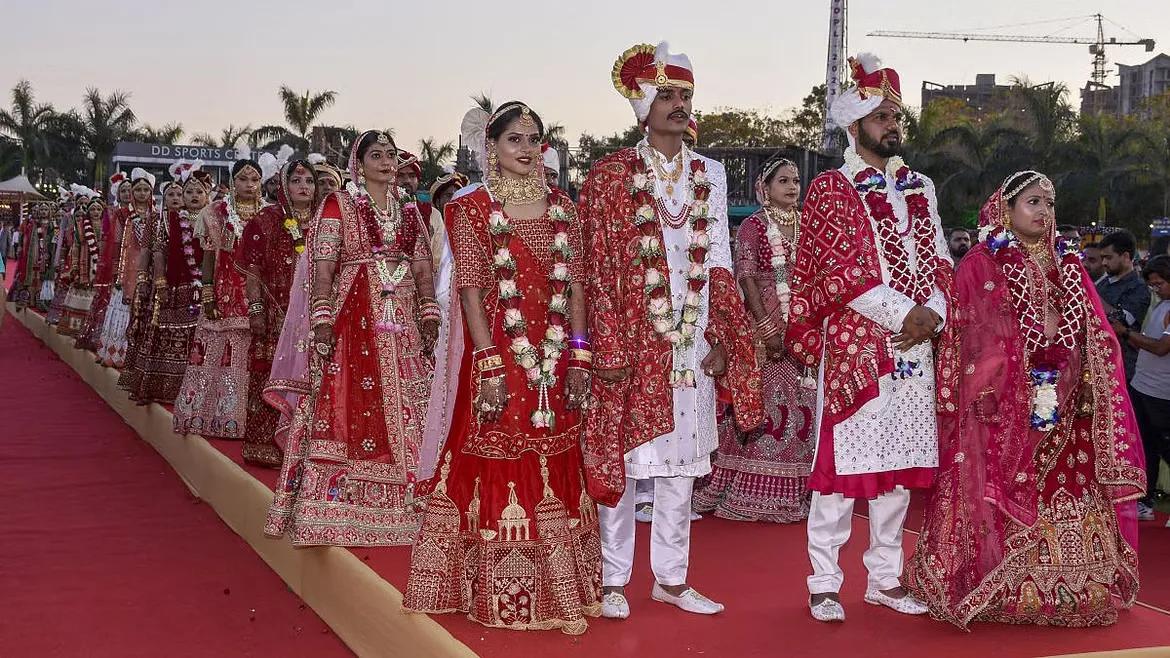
(834, 67)
(1096, 45)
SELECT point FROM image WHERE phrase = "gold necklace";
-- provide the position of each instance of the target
(517, 191)
(671, 179)
(788, 218)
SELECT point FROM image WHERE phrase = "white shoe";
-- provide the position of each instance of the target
(615, 606)
(644, 512)
(827, 610)
(907, 605)
(690, 600)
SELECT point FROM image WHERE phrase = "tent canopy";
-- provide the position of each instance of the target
(21, 187)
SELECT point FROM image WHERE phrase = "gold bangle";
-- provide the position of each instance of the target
(490, 362)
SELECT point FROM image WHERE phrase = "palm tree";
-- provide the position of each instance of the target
(228, 137)
(168, 134)
(1106, 150)
(106, 122)
(432, 156)
(1048, 119)
(10, 154)
(554, 134)
(301, 112)
(975, 157)
(26, 122)
(66, 157)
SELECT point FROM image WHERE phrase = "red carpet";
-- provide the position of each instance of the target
(1154, 549)
(105, 552)
(757, 570)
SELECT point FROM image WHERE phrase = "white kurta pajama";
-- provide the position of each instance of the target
(896, 430)
(675, 459)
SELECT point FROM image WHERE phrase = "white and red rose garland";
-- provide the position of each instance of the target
(873, 186)
(539, 366)
(680, 333)
(90, 237)
(776, 251)
(394, 233)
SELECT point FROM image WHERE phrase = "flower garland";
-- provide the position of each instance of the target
(539, 366)
(1046, 357)
(187, 236)
(391, 234)
(87, 232)
(680, 333)
(234, 221)
(293, 226)
(872, 185)
(777, 250)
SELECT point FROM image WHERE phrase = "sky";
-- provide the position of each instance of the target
(413, 66)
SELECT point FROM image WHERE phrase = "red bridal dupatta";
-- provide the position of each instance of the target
(998, 474)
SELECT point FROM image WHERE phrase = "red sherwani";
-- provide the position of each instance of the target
(641, 408)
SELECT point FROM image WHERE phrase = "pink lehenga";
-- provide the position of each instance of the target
(1033, 520)
(763, 475)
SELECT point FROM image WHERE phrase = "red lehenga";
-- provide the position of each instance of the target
(164, 340)
(763, 475)
(62, 263)
(31, 263)
(111, 346)
(510, 535)
(1030, 525)
(88, 336)
(352, 451)
(80, 262)
(213, 400)
(270, 251)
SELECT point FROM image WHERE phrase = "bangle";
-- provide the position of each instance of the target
(256, 308)
(142, 277)
(489, 363)
(320, 322)
(207, 294)
(581, 355)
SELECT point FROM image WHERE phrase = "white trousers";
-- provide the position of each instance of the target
(829, 522)
(670, 533)
(644, 492)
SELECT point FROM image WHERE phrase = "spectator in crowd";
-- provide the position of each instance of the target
(1069, 232)
(1159, 246)
(1124, 294)
(5, 240)
(1091, 258)
(958, 243)
(1150, 388)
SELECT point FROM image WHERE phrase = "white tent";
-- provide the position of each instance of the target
(20, 187)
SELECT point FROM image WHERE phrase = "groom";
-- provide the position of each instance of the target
(871, 296)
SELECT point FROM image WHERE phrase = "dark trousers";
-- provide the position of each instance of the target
(1153, 417)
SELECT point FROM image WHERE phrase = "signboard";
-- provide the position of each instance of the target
(1160, 226)
(138, 152)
